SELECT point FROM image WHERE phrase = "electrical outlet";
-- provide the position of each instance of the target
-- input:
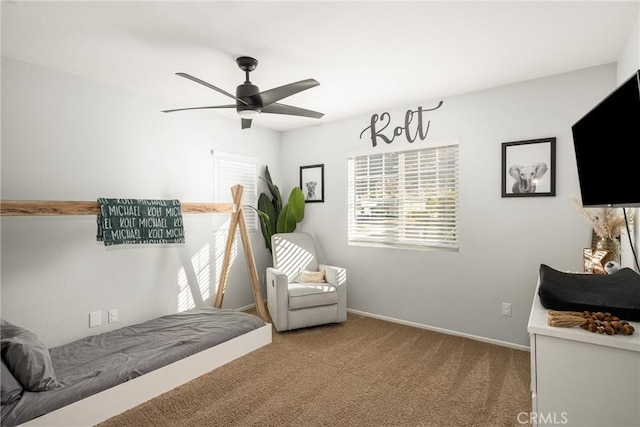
(113, 315)
(95, 319)
(506, 309)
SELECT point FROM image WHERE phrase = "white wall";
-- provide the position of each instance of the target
(65, 138)
(503, 241)
(629, 59)
(628, 63)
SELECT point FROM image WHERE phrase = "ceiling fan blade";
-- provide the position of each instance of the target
(276, 94)
(246, 123)
(210, 86)
(292, 111)
(200, 108)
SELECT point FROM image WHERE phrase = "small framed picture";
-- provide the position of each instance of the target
(312, 183)
(529, 168)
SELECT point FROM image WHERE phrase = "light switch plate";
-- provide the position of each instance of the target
(506, 309)
(95, 319)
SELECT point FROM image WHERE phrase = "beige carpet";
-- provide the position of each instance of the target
(365, 372)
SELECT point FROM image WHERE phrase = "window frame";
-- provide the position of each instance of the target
(399, 205)
(222, 193)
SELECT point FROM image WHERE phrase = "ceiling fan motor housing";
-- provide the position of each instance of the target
(250, 94)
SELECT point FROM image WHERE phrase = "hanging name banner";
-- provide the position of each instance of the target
(138, 221)
(379, 123)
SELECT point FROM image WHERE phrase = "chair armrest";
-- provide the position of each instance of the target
(278, 298)
(277, 275)
(336, 276)
(277, 282)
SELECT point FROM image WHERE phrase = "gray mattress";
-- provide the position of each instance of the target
(93, 364)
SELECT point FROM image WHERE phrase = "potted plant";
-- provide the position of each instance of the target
(275, 217)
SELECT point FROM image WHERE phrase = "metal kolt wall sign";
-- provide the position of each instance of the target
(411, 132)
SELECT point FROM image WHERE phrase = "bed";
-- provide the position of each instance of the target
(103, 375)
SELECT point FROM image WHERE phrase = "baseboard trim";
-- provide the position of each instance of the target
(441, 330)
(246, 307)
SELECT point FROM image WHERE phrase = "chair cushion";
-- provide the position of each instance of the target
(304, 295)
(307, 276)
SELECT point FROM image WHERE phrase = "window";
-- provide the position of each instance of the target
(231, 169)
(406, 199)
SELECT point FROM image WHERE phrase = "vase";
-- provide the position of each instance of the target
(610, 245)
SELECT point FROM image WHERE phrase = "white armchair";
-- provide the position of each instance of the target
(294, 304)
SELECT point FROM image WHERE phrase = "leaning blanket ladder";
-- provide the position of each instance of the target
(237, 219)
(101, 406)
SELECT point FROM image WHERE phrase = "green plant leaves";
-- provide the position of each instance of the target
(286, 220)
(266, 205)
(267, 226)
(296, 200)
(274, 190)
(274, 217)
(292, 212)
(264, 224)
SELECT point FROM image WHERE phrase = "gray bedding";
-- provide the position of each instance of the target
(93, 364)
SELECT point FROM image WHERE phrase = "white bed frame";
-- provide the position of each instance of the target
(104, 405)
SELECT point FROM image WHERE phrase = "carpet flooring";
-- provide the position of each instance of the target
(364, 372)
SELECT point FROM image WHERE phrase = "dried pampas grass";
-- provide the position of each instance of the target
(607, 223)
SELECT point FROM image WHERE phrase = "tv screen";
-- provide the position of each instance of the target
(605, 142)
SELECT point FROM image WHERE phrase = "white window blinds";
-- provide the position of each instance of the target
(231, 169)
(405, 199)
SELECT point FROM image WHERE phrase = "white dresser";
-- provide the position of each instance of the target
(580, 378)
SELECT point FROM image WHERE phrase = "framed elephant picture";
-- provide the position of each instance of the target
(529, 168)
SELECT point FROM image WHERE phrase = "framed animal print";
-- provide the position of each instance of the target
(312, 183)
(529, 168)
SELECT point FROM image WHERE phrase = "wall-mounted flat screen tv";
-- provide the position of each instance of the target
(606, 141)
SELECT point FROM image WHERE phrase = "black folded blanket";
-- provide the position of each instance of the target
(617, 293)
(131, 221)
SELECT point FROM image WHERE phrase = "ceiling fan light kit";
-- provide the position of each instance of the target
(249, 113)
(250, 102)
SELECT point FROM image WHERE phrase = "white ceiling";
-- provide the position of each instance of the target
(369, 56)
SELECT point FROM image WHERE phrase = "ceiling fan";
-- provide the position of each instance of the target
(250, 102)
